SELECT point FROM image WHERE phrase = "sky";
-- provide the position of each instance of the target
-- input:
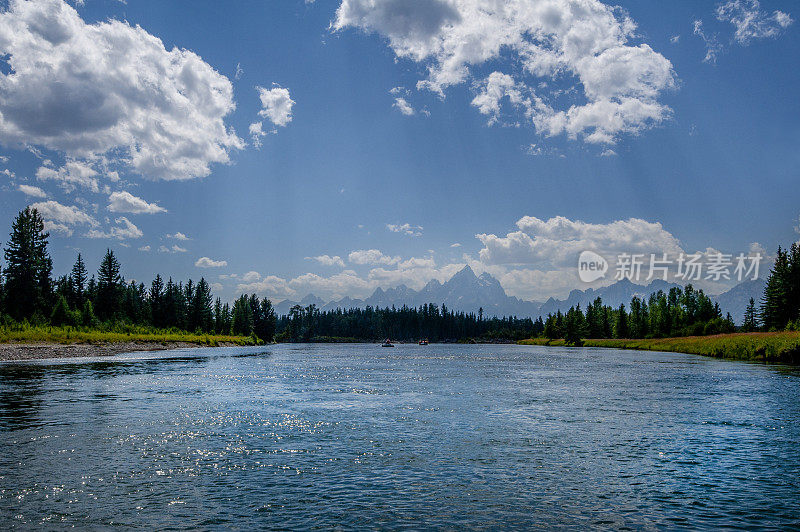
(332, 147)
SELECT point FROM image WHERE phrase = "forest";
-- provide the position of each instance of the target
(30, 295)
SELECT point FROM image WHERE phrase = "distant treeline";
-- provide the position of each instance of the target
(686, 312)
(29, 294)
(780, 305)
(681, 312)
(403, 324)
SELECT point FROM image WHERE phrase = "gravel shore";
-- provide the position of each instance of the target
(10, 352)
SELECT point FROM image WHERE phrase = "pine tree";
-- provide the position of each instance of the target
(750, 317)
(27, 289)
(109, 288)
(61, 314)
(77, 279)
(156, 298)
(621, 329)
(775, 311)
(201, 315)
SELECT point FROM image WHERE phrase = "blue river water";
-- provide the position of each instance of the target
(434, 437)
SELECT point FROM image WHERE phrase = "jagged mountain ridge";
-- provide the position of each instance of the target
(465, 291)
(468, 292)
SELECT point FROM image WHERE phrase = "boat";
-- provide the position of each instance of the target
(424, 341)
(387, 343)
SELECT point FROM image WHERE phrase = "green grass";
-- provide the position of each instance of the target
(767, 347)
(83, 335)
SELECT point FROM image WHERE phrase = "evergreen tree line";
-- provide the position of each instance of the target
(780, 304)
(429, 321)
(29, 294)
(680, 312)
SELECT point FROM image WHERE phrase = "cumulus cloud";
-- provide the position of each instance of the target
(270, 286)
(61, 218)
(205, 262)
(32, 191)
(144, 248)
(276, 105)
(128, 203)
(70, 176)
(751, 22)
(557, 242)
(178, 236)
(124, 229)
(251, 276)
(110, 89)
(406, 229)
(403, 106)
(371, 256)
(327, 260)
(584, 44)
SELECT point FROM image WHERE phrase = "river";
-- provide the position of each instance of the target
(439, 436)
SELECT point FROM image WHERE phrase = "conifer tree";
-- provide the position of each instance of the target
(77, 278)
(109, 283)
(27, 287)
(750, 317)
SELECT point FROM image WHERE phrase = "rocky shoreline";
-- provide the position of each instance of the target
(36, 351)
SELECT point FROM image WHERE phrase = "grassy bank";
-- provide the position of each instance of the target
(769, 347)
(84, 335)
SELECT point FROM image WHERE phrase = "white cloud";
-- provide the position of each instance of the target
(270, 286)
(108, 88)
(713, 46)
(276, 105)
(124, 229)
(205, 262)
(751, 22)
(608, 152)
(582, 43)
(251, 276)
(34, 192)
(675, 39)
(256, 132)
(557, 242)
(327, 260)
(175, 248)
(178, 236)
(60, 218)
(70, 176)
(144, 248)
(403, 106)
(406, 229)
(455, 245)
(128, 203)
(216, 287)
(371, 256)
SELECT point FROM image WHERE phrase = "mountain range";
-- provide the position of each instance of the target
(468, 292)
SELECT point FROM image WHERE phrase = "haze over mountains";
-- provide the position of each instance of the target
(468, 292)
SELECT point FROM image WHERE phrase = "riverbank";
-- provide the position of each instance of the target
(31, 343)
(756, 347)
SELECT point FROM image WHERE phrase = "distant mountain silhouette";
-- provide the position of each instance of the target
(468, 292)
(465, 291)
(737, 298)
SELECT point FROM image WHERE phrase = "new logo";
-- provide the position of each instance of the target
(591, 266)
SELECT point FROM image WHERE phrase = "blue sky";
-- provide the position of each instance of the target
(485, 167)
